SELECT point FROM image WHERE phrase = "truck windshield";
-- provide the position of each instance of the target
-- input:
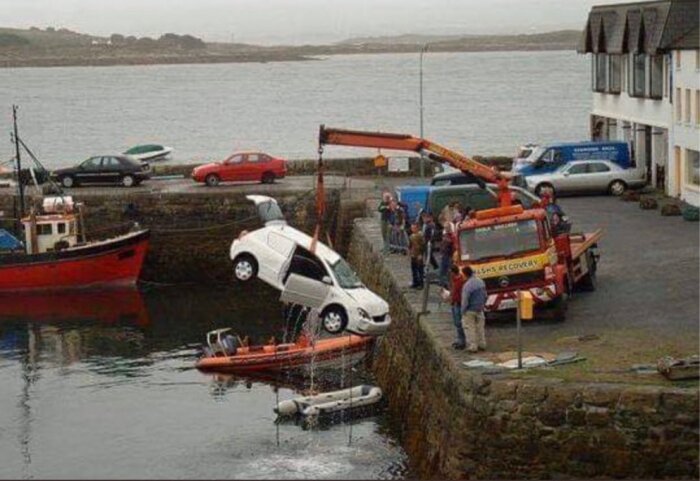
(347, 279)
(501, 240)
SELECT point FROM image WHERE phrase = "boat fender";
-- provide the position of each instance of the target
(288, 407)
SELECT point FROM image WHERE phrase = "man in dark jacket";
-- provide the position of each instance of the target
(473, 304)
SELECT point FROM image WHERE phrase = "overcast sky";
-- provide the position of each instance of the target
(296, 21)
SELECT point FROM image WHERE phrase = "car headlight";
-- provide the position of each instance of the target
(363, 313)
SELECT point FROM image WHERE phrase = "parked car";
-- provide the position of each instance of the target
(240, 167)
(454, 178)
(281, 256)
(587, 176)
(105, 169)
(549, 158)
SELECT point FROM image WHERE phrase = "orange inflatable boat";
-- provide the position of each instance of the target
(226, 353)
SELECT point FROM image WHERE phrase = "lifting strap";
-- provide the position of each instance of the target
(320, 201)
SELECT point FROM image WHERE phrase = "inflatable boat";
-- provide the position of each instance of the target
(330, 402)
(228, 353)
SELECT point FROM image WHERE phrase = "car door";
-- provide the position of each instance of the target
(110, 170)
(599, 177)
(253, 168)
(89, 171)
(306, 281)
(573, 178)
(273, 263)
(230, 169)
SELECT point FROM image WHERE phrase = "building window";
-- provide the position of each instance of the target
(615, 74)
(697, 107)
(61, 227)
(600, 72)
(637, 77)
(657, 76)
(679, 105)
(678, 59)
(692, 167)
(688, 106)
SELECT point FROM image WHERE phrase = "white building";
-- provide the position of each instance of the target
(645, 77)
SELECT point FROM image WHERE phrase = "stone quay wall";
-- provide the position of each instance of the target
(191, 233)
(457, 424)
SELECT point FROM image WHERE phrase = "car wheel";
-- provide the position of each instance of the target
(588, 282)
(268, 178)
(617, 187)
(128, 181)
(245, 267)
(334, 320)
(212, 180)
(544, 188)
(67, 181)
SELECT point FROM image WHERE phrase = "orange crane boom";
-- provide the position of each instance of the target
(436, 152)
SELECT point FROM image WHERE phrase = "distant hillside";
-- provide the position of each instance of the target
(61, 47)
(561, 39)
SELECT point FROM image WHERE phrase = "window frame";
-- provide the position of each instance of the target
(614, 74)
(656, 77)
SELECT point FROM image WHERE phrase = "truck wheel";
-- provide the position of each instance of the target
(617, 187)
(558, 308)
(544, 188)
(588, 282)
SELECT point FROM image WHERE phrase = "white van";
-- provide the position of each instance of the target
(281, 256)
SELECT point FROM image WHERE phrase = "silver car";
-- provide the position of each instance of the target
(587, 176)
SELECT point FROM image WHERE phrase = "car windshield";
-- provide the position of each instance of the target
(347, 279)
(270, 211)
(500, 240)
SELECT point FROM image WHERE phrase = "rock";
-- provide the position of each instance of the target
(531, 393)
(601, 395)
(597, 416)
(670, 209)
(648, 203)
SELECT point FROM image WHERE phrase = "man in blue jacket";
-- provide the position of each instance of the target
(473, 304)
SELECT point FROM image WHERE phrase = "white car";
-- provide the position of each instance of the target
(280, 255)
(587, 176)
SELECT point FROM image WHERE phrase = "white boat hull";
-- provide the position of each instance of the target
(330, 402)
(155, 155)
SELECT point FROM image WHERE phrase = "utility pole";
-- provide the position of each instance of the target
(19, 163)
(420, 61)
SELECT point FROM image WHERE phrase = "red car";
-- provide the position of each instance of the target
(242, 167)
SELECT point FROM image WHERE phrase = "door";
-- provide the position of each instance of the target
(111, 170)
(274, 263)
(598, 178)
(89, 170)
(306, 280)
(252, 167)
(573, 178)
(232, 168)
(304, 291)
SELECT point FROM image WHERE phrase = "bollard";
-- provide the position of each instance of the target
(524, 308)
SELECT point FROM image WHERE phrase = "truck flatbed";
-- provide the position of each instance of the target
(580, 243)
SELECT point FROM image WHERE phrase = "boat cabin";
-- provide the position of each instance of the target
(54, 230)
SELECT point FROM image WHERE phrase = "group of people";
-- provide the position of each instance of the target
(465, 291)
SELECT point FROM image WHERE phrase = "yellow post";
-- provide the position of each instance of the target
(526, 305)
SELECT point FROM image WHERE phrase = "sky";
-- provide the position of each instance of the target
(297, 21)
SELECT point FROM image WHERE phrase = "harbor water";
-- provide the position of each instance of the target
(479, 103)
(102, 385)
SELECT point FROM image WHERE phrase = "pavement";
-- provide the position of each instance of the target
(188, 186)
(646, 304)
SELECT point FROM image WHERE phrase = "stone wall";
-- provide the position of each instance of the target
(191, 233)
(457, 424)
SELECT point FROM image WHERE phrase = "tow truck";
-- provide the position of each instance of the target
(511, 248)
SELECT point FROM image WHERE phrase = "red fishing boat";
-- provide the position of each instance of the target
(228, 353)
(55, 254)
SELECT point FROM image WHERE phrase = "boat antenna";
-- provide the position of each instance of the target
(18, 160)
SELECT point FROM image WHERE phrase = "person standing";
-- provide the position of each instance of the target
(473, 305)
(416, 247)
(385, 214)
(446, 252)
(458, 281)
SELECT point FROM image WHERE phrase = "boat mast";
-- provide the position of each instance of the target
(18, 159)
